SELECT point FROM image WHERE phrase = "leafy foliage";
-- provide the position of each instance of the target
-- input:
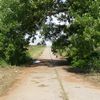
(18, 17)
(83, 34)
(78, 37)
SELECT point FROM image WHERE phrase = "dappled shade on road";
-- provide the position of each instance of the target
(49, 62)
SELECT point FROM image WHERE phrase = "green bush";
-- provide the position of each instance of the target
(90, 63)
(3, 63)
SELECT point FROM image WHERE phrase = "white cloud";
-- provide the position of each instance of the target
(48, 43)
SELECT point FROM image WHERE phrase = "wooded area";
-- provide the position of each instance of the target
(80, 40)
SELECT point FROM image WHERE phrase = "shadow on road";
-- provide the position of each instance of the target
(48, 62)
(75, 70)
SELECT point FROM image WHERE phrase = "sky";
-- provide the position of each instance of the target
(38, 39)
(63, 0)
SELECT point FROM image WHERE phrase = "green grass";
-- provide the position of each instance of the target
(35, 51)
(3, 63)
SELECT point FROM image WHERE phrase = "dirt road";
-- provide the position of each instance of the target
(47, 82)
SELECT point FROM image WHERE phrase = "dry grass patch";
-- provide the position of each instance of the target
(93, 78)
(7, 77)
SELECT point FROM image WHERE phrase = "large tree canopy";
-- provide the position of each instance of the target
(78, 37)
(82, 34)
(18, 17)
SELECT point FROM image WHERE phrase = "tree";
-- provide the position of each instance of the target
(81, 38)
(18, 17)
(82, 33)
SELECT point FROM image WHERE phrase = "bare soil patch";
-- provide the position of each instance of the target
(94, 78)
(7, 78)
(90, 78)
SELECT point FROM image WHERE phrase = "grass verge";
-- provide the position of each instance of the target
(35, 51)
